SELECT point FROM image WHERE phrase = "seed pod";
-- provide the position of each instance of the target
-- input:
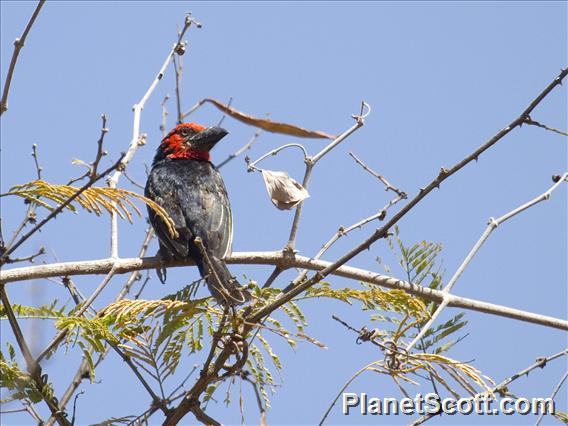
(284, 191)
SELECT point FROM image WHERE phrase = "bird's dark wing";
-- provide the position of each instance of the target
(193, 194)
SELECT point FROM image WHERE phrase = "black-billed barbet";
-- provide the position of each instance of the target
(188, 186)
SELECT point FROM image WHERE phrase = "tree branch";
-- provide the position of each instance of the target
(33, 367)
(137, 140)
(435, 183)
(492, 225)
(540, 363)
(532, 122)
(553, 395)
(18, 44)
(58, 210)
(277, 258)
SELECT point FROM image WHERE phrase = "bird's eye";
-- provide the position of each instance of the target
(185, 131)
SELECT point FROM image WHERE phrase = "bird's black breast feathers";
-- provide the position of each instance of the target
(193, 194)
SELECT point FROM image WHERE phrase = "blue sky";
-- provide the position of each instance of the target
(441, 77)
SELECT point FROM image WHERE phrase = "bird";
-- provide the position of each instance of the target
(185, 183)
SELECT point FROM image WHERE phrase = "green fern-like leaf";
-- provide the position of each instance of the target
(373, 298)
(17, 382)
(420, 263)
(93, 200)
(50, 311)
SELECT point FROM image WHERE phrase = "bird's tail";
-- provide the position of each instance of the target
(223, 286)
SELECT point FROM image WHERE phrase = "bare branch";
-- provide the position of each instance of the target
(241, 150)
(29, 258)
(540, 363)
(225, 114)
(178, 68)
(36, 161)
(18, 44)
(193, 109)
(342, 231)
(32, 366)
(164, 124)
(276, 258)
(251, 165)
(59, 337)
(93, 167)
(138, 139)
(435, 183)
(30, 216)
(84, 368)
(532, 122)
(245, 375)
(387, 184)
(493, 224)
(311, 162)
(58, 210)
(553, 395)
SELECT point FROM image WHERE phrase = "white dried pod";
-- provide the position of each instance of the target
(284, 191)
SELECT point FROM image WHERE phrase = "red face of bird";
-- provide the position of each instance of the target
(191, 141)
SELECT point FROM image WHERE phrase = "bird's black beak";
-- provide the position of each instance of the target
(206, 139)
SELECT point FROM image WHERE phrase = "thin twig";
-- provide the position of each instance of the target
(138, 139)
(192, 109)
(58, 210)
(342, 231)
(59, 337)
(35, 156)
(245, 375)
(183, 382)
(135, 276)
(132, 181)
(388, 186)
(346, 384)
(93, 167)
(33, 367)
(532, 122)
(18, 44)
(164, 123)
(492, 225)
(553, 395)
(224, 113)
(29, 258)
(34, 413)
(15, 410)
(310, 163)
(434, 184)
(251, 166)
(241, 150)
(178, 69)
(540, 363)
(84, 368)
(30, 215)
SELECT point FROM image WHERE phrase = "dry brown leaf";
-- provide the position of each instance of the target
(268, 125)
(284, 191)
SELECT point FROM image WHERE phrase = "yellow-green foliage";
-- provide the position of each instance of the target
(154, 333)
(93, 199)
(373, 298)
(15, 380)
(421, 266)
(50, 311)
(445, 371)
